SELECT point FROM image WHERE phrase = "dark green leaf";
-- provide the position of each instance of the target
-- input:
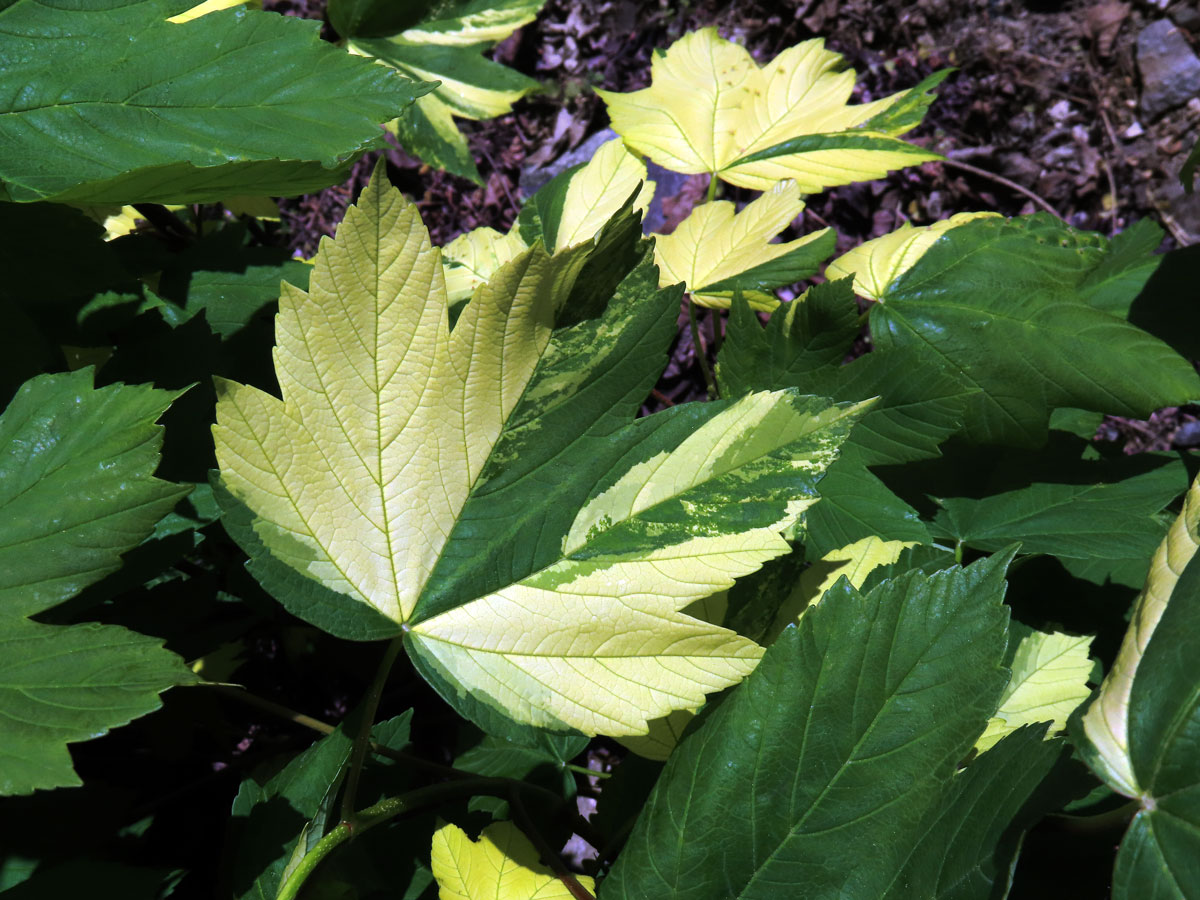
(841, 739)
(268, 818)
(1090, 520)
(63, 684)
(1160, 856)
(801, 338)
(376, 18)
(542, 213)
(110, 103)
(997, 301)
(970, 841)
(1164, 307)
(77, 485)
(231, 281)
(1121, 275)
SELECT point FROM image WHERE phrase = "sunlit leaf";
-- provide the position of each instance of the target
(716, 251)
(876, 264)
(501, 865)
(1049, 679)
(109, 102)
(433, 483)
(711, 108)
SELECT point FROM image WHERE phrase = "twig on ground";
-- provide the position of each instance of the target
(1000, 179)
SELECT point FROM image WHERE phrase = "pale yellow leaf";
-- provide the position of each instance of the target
(475, 27)
(854, 561)
(710, 105)
(597, 190)
(715, 243)
(359, 473)
(208, 6)
(1106, 722)
(472, 258)
(876, 264)
(1049, 679)
(501, 865)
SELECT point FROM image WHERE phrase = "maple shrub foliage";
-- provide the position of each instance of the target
(436, 603)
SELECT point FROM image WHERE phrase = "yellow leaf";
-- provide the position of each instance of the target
(501, 865)
(854, 561)
(1106, 722)
(597, 190)
(714, 244)
(374, 386)
(208, 6)
(876, 264)
(710, 105)
(472, 258)
(663, 737)
(1049, 679)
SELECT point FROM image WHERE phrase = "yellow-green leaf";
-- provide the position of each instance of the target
(714, 244)
(208, 6)
(710, 105)
(597, 190)
(390, 452)
(474, 23)
(472, 258)
(854, 562)
(876, 264)
(1106, 722)
(501, 865)
(1049, 679)
(379, 397)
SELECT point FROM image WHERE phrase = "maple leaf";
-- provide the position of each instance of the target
(501, 865)
(711, 108)
(717, 252)
(487, 492)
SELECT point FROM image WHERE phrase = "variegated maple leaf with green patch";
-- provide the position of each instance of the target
(711, 108)
(487, 492)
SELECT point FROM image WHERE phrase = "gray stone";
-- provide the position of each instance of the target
(532, 179)
(1170, 70)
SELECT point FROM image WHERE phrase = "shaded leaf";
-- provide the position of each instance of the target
(114, 104)
(991, 285)
(842, 738)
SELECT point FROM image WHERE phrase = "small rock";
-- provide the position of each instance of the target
(1187, 434)
(1170, 70)
(1133, 131)
(1060, 111)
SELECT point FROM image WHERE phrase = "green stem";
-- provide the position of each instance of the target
(362, 741)
(701, 352)
(385, 809)
(548, 854)
(390, 807)
(583, 770)
(712, 189)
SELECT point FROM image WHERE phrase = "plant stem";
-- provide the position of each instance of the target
(712, 189)
(701, 351)
(551, 858)
(390, 807)
(362, 741)
(583, 770)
